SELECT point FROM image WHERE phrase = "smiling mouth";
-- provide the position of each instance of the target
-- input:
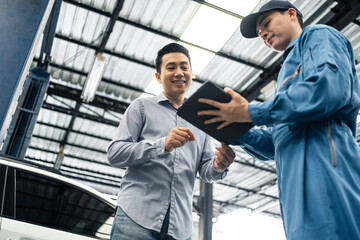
(269, 40)
(179, 81)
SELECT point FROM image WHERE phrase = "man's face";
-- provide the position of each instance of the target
(276, 29)
(175, 74)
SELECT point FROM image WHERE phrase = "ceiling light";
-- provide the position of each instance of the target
(94, 78)
(210, 28)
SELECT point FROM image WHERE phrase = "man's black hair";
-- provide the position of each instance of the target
(171, 47)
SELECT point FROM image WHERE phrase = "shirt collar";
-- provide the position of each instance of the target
(290, 47)
(162, 98)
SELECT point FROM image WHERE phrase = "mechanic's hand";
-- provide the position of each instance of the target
(237, 110)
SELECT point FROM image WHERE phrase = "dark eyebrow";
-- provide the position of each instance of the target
(173, 63)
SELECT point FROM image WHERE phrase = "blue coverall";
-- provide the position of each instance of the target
(311, 135)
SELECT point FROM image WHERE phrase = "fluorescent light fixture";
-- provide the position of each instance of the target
(241, 7)
(94, 78)
(210, 28)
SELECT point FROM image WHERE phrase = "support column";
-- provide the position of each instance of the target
(206, 208)
(21, 26)
(24, 118)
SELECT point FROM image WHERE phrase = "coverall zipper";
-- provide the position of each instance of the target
(296, 73)
(332, 143)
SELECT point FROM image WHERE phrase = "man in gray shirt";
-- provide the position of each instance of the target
(162, 154)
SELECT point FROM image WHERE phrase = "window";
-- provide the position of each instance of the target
(48, 202)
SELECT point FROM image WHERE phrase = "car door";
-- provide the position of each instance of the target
(39, 205)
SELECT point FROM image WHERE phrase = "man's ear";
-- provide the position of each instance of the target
(292, 12)
(157, 75)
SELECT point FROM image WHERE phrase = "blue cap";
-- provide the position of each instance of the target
(248, 24)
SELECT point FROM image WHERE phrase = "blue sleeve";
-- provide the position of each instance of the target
(324, 85)
(126, 150)
(258, 143)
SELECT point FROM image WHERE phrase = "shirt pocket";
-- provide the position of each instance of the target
(309, 65)
(318, 56)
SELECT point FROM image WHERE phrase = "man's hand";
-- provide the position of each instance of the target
(178, 137)
(237, 110)
(224, 157)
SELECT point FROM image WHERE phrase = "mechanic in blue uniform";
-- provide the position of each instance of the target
(311, 124)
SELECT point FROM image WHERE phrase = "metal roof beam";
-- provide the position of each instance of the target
(344, 13)
(249, 94)
(94, 47)
(111, 53)
(163, 34)
(66, 154)
(60, 156)
(318, 12)
(110, 25)
(73, 131)
(219, 9)
(71, 123)
(48, 37)
(80, 169)
(79, 114)
(99, 101)
(106, 80)
(128, 59)
(70, 144)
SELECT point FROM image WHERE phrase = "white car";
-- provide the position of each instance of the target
(37, 204)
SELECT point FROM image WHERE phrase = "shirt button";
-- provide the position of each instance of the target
(167, 204)
(159, 221)
(148, 156)
(161, 216)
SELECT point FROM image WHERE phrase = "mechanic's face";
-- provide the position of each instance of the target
(278, 29)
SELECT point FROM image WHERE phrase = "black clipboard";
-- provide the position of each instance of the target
(192, 106)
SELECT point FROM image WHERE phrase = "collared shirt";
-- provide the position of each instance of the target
(312, 136)
(155, 178)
